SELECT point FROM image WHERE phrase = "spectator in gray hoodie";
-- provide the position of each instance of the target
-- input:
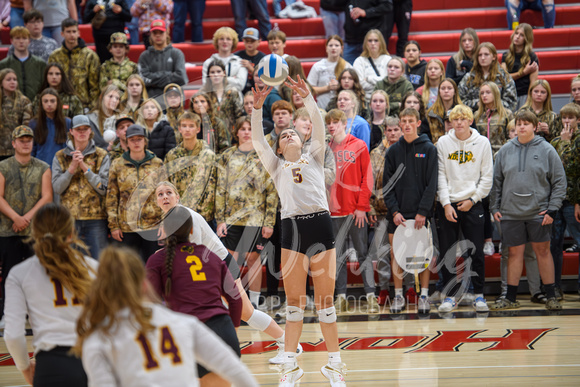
(162, 63)
(528, 189)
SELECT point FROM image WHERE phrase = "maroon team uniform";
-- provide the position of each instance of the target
(202, 279)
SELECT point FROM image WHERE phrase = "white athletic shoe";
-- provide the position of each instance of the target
(335, 375)
(480, 305)
(290, 374)
(447, 305)
(279, 358)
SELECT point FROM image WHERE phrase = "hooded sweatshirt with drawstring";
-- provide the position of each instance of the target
(410, 177)
(528, 179)
(465, 168)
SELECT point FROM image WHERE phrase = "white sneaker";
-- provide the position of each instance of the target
(480, 305)
(447, 305)
(488, 248)
(290, 374)
(335, 375)
(279, 358)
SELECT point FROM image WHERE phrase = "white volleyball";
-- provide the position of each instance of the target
(109, 135)
(273, 70)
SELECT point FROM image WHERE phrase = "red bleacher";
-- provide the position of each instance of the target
(435, 25)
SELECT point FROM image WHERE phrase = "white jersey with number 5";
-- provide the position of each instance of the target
(300, 184)
(52, 310)
(165, 356)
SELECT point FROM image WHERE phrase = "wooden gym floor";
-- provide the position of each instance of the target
(524, 347)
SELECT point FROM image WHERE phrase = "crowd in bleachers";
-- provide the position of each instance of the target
(106, 130)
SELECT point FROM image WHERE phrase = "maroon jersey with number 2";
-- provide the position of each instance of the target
(199, 281)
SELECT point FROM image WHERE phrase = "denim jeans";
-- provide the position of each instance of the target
(344, 226)
(16, 17)
(380, 250)
(133, 26)
(564, 219)
(94, 234)
(259, 9)
(548, 11)
(333, 22)
(54, 33)
(181, 8)
(352, 51)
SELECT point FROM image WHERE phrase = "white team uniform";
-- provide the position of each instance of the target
(202, 234)
(51, 309)
(300, 184)
(166, 356)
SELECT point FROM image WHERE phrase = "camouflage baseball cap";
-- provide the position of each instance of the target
(22, 131)
(119, 38)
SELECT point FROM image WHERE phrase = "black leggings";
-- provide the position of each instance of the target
(57, 368)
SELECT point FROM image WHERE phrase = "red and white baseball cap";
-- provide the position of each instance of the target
(158, 25)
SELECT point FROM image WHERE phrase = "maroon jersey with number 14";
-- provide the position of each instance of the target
(199, 281)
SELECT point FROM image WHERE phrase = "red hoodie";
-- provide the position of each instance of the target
(354, 177)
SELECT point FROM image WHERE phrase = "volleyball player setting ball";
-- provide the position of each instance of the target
(49, 288)
(127, 339)
(307, 237)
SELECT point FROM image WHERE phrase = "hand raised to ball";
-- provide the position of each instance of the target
(299, 86)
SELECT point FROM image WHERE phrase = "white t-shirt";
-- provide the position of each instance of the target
(165, 356)
(50, 307)
(321, 73)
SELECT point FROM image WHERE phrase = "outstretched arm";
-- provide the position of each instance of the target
(318, 143)
(265, 152)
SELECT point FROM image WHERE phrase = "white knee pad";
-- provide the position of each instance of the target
(327, 315)
(259, 320)
(294, 313)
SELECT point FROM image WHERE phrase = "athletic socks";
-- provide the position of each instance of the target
(290, 358)
(425, 292)
(280, 340)
(512, 292)
(334, 358)
(254, 298)
(399, 292)
(550, 290)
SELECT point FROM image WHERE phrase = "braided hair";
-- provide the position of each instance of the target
(177, 224)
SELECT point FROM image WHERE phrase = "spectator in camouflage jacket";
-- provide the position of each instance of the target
(16, 110)
(173, 101)
(540, 103)
(246, 203)
(492, 118)
(213, 130)
(471, 82)
(80, 63)
(55, 77)
(378, 213)
(80, 177)
(25, 187)
(117, 69)
(132, 212)
(245, 193)
(568, 216)
(120, 144)
(191, 168)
